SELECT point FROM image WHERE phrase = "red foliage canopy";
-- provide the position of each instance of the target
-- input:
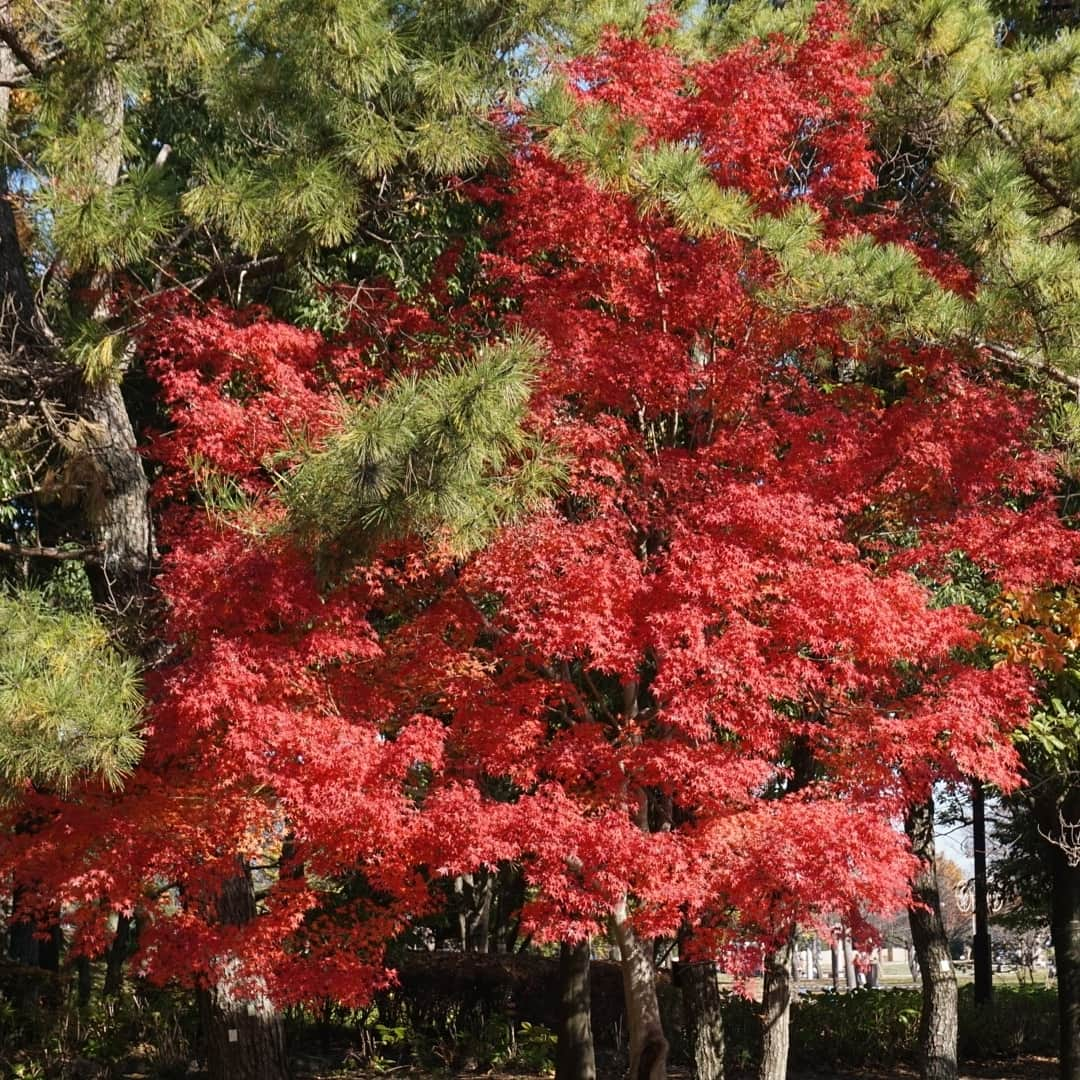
(613, 694)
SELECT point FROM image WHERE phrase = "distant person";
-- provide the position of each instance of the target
(873, 969)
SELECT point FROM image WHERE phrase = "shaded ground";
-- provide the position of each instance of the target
(1027, 1068)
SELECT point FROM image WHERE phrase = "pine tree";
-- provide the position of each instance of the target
(441, 456)
(151, 145)
(70, 703)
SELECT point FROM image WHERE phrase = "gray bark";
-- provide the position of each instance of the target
(777, 995)
(648, 1046)
(91, 423)
(849, 962)
(938, 1022)
(575, 1055)
(245, 1035)
(1065, 931)
(702, 1009)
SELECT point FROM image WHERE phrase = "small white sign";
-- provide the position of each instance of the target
(234, 1035)
(943, 964)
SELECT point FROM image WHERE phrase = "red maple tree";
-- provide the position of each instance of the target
(726, 582)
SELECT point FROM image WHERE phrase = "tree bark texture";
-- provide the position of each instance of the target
(648, 1046)
(850, 980)
(777, 994)
(938, 1022)
(1065, 931)
(575, 1055)
(88, 424)
(245, 1036)
(704, 1019)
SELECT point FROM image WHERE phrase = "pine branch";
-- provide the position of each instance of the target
(1062, 198)
(1017, 359)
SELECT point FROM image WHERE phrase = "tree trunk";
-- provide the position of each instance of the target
(575, 1057)
(938, 1023)
(1065, 930)
(245, 1036)
(115, 957)
(480, 916)
(648, 1046)
(116, 500)
(84, 981)
(980, 952)
(849, 961)
(100, 454)
(704, 1019)
(776, 1000)
(116, 507)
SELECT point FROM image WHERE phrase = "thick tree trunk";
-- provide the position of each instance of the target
(101, 460)
(648, 1046)
(938, 1023)
(704, 1018)
(980, 953)
(1065, 930)
(245, 1036)
(116, 500)
(776, 1001)
(116, 506)
(575, 1055)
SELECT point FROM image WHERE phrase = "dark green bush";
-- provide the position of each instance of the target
(881, 1028)
(1020, 1020)
(865, 1027)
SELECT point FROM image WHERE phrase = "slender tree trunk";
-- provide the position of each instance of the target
(938, 1023)
(575, 1056)
(776, 1001)
(115, 957)
(704, 1018)
(461, 904)
(1065, 930)
(849, 962)
(980, 952)
(245, 1036)
(481, 927)
(834, 953)
(648, 1046)
(83, 981)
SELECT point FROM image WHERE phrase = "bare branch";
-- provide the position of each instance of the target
(1067, 838)
(90, 554)
(10, 37)
(1018, 360)
(269, 264)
